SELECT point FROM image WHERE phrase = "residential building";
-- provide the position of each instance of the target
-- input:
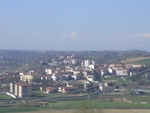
(12, 88)
(121, 72)
(28, 78)
(86, 63)
(22, 90)
(69, 90)
(50, 90)
(48, 71)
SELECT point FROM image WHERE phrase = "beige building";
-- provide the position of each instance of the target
(16, 92)
(12, 88)
(28, 78)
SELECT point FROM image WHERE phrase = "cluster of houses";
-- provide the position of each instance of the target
(86, 70)
(81, 75)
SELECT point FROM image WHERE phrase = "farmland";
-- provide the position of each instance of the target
(140, 60)
(116, 104)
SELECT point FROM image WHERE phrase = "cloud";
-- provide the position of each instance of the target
(142, 35)
(72, 35)
(75, 35)
(130, 37)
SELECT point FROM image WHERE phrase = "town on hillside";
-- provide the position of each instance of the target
(22, 73)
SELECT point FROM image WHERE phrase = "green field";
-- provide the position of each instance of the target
(5, 96)
(17, 109)
(145, 61)
(89, 103)
(139, 60)
(45, 95)
(140, 99)
(95, 104)
(119, 80)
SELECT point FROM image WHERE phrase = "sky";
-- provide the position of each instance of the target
(75, 25)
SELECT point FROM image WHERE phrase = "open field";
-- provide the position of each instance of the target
(5, 96)
(104, 111)
(69, 106)
(41, 94)
(138, 59)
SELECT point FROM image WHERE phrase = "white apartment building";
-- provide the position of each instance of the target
(22, 89)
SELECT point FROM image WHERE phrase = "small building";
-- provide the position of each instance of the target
(69, 90)
(43, 88)
(121, 72)
(50, 90)
(48, 71)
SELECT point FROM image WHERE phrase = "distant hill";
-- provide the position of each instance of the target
(140, 60)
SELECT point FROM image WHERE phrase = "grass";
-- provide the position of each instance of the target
(127, 82)
(137, 59)
(92, 104)
(45, 95)
(98, 105)
(119, 80)
(140, 99)
(16, 109)
(5, 96)
(145, 61)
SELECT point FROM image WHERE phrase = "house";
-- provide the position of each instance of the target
(73, 61)
(60, 88)
(86, 63)
(121, 72)
(137, 65)
(43, 88)
(55, 77)
(46, 77)
(48, 71)
(104, 72)
(111, 71)
(69, 90)
(119, 65)
(50, 90)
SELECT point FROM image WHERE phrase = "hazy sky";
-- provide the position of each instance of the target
(75, 24)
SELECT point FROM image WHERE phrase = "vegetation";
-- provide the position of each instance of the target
(87, 106)
(5, 96)
(38, 94)
(16, 109)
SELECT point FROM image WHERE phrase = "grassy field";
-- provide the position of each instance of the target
(44, 95)
(145, 61)
(119, 80)
(140, 99)
(5, 96)
(139, 60)
(16, 109)
(56, 107)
